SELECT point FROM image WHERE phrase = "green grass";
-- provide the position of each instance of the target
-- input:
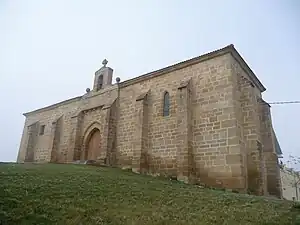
(78, 194)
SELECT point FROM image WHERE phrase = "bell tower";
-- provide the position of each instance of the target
(103, 77)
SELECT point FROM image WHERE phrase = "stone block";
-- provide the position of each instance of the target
(233, 159)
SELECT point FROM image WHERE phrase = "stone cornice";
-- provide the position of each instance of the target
(68, 101)
(228, 49)
(71, 100)
(246, 68)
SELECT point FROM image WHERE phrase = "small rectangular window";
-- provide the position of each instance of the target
(42, 130)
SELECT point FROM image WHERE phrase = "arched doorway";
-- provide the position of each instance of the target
(93, 145)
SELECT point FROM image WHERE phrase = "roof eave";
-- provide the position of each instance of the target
(178, 66)
(219, 52)
(52, 106)
(247, 69)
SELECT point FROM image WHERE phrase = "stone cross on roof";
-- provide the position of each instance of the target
(104, 62)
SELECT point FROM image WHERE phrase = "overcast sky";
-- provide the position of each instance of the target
(49, 50)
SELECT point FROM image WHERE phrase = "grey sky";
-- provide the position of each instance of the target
(49, 50)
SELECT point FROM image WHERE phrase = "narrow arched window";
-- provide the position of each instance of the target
(166, 106)
(100, 82)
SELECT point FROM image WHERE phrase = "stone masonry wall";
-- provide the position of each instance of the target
(239, 132)
(91, 119)
(213, 134)
(111, 136)
(24, 142)
(140, 158)
(272, 169)
(250, 137)
(92, 113)
(43, 146)
(185, 158)
(216, 146)
(261, 169)
(30, 154)
(55, 139)
(217, 156)
(44, 143)
(213, 148)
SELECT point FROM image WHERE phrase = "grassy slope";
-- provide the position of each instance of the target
(78, 194)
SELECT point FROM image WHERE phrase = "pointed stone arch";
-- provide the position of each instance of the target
(166, 104)
(89, 128)
(92, 142)
(93, 145)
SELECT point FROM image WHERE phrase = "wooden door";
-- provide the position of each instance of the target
(93, 147)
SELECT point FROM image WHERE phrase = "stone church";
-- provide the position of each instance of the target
(202, 120)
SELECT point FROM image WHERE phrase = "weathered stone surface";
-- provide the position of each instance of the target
(140, 159)
(209, 136)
